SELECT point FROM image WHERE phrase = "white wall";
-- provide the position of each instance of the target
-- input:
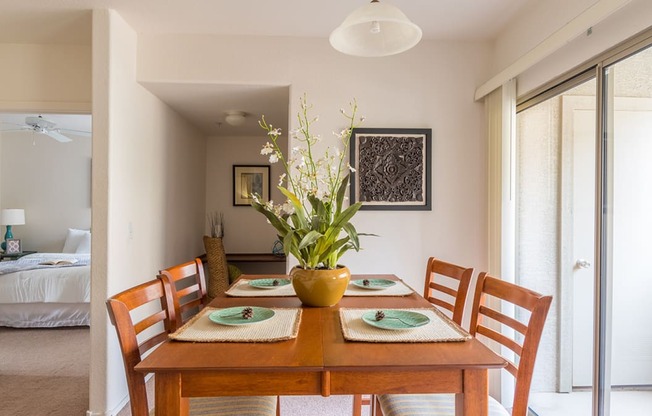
(431, 85)
(148, 193)
(51, 181)
(240, 222)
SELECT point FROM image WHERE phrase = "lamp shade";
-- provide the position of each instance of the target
(235, 118)
(374, 30)
(12, 217)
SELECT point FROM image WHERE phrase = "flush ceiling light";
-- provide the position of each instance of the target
(235, 118)
(375, 29)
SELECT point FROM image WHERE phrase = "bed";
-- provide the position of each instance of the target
(33, 294)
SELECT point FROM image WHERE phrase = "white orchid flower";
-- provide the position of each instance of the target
(267, 149)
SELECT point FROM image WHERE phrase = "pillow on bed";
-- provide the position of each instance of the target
(85, 244)
(73, 239)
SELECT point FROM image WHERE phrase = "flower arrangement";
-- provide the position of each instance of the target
(312, 223)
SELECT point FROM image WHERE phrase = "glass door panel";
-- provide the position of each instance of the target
(556, 153)
(627, 248)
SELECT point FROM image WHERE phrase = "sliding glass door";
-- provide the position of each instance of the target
(626, 247)
(584, 198)
(555, 240)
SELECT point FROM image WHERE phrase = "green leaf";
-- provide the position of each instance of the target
(309, 239)
(341, 191)
(281, 226)
(298, 207)
(333, 250)
(290, 244)
(353, 235)
(342, 219)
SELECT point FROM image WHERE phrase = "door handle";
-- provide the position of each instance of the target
(582, 264)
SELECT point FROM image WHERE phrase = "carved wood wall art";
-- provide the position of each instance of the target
(392, 168)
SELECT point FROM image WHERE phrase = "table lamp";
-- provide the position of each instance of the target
(11, 217)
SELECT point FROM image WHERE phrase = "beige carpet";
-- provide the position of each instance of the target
(44, 372)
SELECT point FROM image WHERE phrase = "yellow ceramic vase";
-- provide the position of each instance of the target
(320, 287)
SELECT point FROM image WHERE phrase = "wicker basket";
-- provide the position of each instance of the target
(218, 272)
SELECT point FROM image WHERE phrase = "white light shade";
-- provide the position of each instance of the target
(235, 118)
(12, 217)
(375, 29)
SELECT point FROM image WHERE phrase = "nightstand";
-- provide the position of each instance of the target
(14, 256)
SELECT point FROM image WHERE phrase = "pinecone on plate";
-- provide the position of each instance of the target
(247, 313)
(380, 315)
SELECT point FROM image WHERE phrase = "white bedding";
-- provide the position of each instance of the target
(63, 292)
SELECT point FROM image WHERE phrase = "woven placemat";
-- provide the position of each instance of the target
(439, 329)
(241, 288)
(282, 326)
(399, 289)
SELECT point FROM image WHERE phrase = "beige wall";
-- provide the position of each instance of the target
(240, 222)
(139, 144)
(47, 78)
(551, 15)
(148, 201)
(429, 86)
(51, 181)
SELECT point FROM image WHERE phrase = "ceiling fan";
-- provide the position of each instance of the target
(47, 127)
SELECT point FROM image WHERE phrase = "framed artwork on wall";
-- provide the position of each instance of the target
(249, 180)
(392, 168)
(13, 246)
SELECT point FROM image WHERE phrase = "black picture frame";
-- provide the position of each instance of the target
(392, 168)
(13, 246)
(248, 179)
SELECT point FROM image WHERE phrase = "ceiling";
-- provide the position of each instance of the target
(206, 105)
(69, 22)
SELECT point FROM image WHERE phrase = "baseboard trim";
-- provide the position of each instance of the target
(115, 411)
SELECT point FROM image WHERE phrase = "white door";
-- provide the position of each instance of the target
(583, 178)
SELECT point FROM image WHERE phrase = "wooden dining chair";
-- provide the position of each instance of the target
(522, 340)
(446, 286)
(187, 288)
(154, 327)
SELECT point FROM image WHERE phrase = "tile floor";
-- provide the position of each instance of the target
(623, 403)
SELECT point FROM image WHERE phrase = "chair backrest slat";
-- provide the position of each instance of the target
(458, 275)
(188, 290)
(150, 321)
(503, 319)
(537, 305)
(444, 289)
(120, 309)
(442, 304)
(500, 338)
(187, 285)
(152, 342)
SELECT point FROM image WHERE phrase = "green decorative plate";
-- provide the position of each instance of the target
(233, 316)
(396, 319)
(269, 283)
(373, 284)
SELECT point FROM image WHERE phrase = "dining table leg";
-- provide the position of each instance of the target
(168, 400)
(475, 399)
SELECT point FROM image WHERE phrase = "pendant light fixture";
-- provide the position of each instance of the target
(375, 29)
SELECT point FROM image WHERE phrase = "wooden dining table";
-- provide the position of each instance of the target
(319, 361)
